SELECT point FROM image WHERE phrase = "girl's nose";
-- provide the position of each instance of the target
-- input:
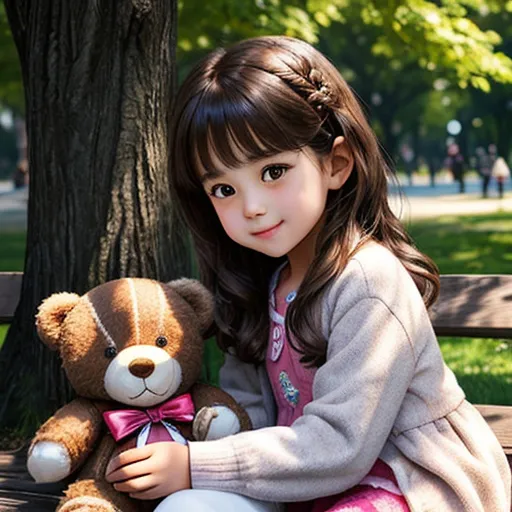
(254, 207)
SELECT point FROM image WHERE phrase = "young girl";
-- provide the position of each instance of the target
(320, 305)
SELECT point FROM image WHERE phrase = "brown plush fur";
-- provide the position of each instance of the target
(124, 313)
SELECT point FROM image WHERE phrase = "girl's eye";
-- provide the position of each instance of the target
(222, 191)
(274, 172)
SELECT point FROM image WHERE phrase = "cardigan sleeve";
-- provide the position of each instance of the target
(357, 395)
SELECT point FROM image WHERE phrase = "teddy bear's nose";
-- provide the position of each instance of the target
(141, 367)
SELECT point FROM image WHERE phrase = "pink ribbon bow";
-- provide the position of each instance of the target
(124, 422)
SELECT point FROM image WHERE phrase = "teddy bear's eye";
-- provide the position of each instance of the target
(110, 352)
(161, 341)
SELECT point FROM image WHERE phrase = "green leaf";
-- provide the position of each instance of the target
(479, 82)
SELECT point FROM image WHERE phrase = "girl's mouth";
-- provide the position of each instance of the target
(269, 232)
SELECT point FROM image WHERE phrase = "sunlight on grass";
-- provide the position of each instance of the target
(504, 225)
(483, 368)
(465, 255)
(466, 245)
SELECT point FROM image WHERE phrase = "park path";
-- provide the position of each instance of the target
(414, 208)
(421, 201)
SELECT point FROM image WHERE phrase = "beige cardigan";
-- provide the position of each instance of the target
(384, 391)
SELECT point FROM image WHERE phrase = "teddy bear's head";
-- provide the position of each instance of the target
(136, 341)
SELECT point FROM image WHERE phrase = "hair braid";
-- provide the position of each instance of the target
(322, 97)
(308, 84)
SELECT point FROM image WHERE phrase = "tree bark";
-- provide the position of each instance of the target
(99, 79)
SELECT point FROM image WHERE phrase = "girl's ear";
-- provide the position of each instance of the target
(341, 163)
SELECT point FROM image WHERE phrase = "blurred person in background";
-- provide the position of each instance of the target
(20, 175)
(484, 167)
(501, 173)
(455, 162)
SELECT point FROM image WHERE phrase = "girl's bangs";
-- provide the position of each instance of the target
(231, 129)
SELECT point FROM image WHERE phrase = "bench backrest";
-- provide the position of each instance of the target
(474, 306)
(469, 306)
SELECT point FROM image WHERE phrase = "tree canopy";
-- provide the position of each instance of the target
(438, 35)
(452, 36)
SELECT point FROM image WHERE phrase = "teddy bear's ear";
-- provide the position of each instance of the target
(51, 315)
(198, 297)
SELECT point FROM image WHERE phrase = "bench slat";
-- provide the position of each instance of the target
(499, 418)
(474, 306)
(17, 489)
(10, 288)
(18, 501)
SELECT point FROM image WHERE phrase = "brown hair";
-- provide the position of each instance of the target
(257, 98)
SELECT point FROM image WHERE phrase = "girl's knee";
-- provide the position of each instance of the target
(184, 500)
(212, 501)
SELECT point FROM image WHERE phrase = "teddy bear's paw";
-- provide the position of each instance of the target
(202, 421)
(88, 504)
(215, 422)
(48, 462)
(224, 424)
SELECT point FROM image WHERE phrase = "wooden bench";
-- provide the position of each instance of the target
(469, 306)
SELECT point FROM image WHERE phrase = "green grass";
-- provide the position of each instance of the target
(467, 245)
(459, 245)
(12, 250)
(483, 368)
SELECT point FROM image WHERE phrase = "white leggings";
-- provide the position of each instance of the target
(201, 500)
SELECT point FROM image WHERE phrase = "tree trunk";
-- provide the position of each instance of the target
(98, 78)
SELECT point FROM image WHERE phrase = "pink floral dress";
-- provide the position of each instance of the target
(292, 385)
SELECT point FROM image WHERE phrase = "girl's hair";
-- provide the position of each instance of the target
(257, 98)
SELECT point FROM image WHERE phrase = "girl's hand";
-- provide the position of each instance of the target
(150, 472)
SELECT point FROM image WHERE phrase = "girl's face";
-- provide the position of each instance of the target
(270, 205)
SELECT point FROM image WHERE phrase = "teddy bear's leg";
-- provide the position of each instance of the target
(91, 492)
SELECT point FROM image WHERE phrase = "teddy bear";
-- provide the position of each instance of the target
(132, 351)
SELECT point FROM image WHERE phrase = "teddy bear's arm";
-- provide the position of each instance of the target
(218, 414)
(64, 441)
